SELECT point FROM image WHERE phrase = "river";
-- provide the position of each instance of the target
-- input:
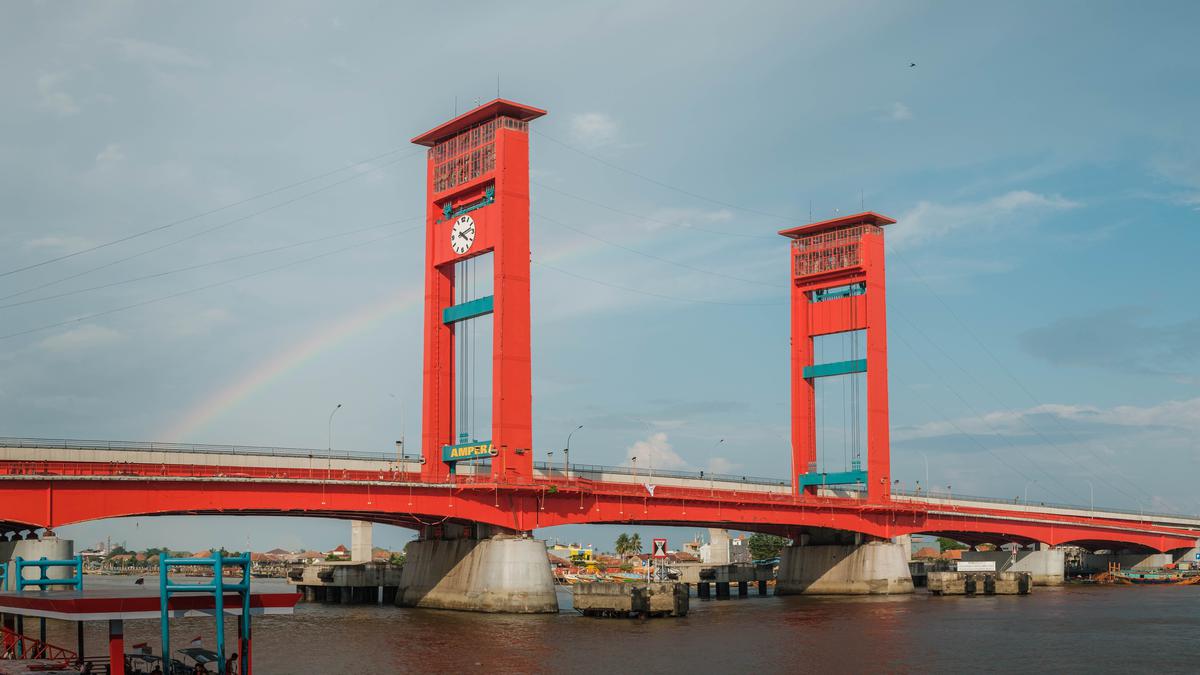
(1055, 630)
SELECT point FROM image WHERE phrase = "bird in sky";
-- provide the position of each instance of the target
(912, 65)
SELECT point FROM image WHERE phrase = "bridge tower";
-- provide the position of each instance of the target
(477, 206)
(838, 287)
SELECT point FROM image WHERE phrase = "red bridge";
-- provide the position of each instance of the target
(463, 488)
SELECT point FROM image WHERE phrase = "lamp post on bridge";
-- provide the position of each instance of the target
(1092, 498)
(567, 454)
(1027, 484)
(329, 450)
(926, 457)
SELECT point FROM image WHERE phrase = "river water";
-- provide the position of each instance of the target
(1053, 630)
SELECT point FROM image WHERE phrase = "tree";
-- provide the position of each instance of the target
(766, 546)
(635, 544)
(622, 545)
(947, 544)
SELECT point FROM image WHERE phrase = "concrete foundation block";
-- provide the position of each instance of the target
(505, 573)
(624, 599)
(1047, 567)
(872, 568)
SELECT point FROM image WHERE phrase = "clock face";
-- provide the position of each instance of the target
(462, 234)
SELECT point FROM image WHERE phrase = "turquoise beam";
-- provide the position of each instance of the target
(836, 368)
(834, 478)
(469, 310)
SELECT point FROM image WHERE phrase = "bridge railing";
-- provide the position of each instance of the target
(141, 446)
(550, 468)
(1020, 502)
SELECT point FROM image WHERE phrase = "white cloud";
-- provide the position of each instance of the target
(900, 112)
(111, 153)
(198, 323)
(721, 465)
(66, 243)
(593, 129)
(654, 452)
(151, 53)
(87, 336)
(53, 97)
(1182, 415)
(931, 220)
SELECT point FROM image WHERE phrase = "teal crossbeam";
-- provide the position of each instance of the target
(834, 478)
(836, 368)
(469, 310)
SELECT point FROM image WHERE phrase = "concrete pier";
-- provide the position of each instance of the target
(980, 583)
(346, 582)
(1046, 566)
(503, 573)
(50, 547)
(607, 598)
(871, 568)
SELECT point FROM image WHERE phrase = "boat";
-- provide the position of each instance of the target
(1156, 576)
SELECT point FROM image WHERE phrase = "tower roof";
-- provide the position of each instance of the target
(474, 116)
(866, 217)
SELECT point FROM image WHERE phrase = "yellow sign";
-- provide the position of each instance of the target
(458, 453)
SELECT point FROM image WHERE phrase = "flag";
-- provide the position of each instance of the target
(650, 488)
(197, 641)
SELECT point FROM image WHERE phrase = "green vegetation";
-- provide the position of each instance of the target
(628, 545)
(764, 546)
(951, 545)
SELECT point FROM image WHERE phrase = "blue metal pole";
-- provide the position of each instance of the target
(219, 583)
(163, 596)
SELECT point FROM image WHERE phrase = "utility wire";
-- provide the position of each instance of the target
(660, 183)
(650, 220)
(202, 214)
(203, 232)
(1015, 380)
(210, 263)
(962, 400)
(197, 289)
(653, 294)
(654, 257)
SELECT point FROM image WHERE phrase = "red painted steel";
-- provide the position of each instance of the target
(12, 642)
(56, 494)
(484, 149)
(826, 255)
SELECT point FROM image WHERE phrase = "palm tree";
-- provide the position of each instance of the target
(622, 545)
(635, 544)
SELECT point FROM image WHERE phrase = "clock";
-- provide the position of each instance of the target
(462, 234)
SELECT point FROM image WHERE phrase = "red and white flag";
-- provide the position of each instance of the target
(197, 641)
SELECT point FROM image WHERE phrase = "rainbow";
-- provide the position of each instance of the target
(287, 361)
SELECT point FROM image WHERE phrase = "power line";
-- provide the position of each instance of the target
(197, 289)
(203, 232)
(658, 182)
(203, 214)
(1015, 380)
(650, 220)
(654, 257)
(653, 294)
(211, 263)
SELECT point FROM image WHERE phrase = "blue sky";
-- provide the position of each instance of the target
(1041, 160)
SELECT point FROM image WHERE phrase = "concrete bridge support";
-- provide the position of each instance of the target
(859, 568)
(500, 573)
(50, 546)
(1046, 566)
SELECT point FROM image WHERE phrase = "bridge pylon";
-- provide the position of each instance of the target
(838, 288)
(477, 212)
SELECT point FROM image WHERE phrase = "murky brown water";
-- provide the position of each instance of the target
(1069, 629)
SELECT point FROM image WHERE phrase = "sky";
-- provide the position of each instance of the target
(1040, 159)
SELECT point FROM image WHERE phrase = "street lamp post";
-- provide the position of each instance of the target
(329, 450)
(1092, 496)
(633, 461)
(1027, 484)
(926, 468)
(567, 453)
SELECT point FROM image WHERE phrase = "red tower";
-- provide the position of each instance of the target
(478, 204)
(838, 287)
